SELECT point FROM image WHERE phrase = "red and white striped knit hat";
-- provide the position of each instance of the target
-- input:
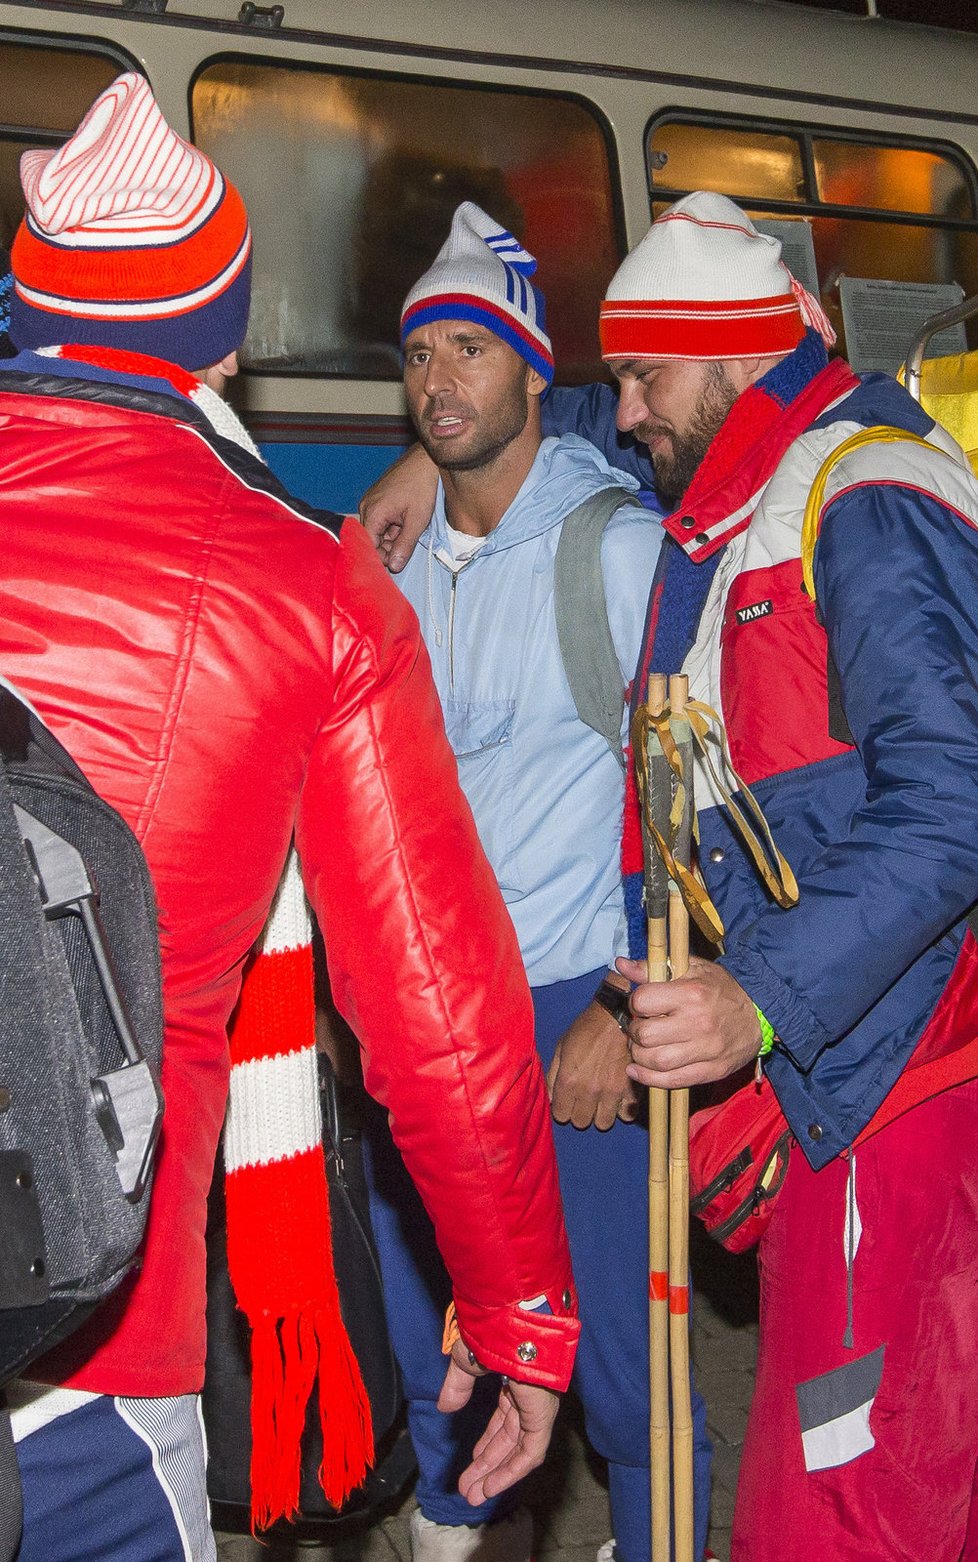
(704, 284)
(132, 239)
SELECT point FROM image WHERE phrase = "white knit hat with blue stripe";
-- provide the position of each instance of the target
(481, 273)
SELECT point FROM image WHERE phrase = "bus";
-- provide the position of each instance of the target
(354, 128)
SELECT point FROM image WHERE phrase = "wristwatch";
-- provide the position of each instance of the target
(616, 1001)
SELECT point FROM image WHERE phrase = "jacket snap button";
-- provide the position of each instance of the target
(815, 1131)
(526, 1351)
(701, 539)
(566, 1299)
(716, 854)
(687, 522)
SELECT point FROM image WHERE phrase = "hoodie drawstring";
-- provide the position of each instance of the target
(430, 597)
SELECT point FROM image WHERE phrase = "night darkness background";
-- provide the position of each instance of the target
(962, 14)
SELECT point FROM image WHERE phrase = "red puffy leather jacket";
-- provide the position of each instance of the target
(228, 667)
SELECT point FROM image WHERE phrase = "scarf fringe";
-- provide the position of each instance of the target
(287, 1355)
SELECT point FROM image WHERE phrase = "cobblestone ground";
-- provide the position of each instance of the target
(568, 1497)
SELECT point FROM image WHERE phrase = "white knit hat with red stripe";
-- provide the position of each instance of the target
(704, 284)
(482, 273)
(278, 1226)
(132, 239)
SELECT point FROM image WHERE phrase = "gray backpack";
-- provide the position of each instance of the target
(587, 649)
(81, 1030)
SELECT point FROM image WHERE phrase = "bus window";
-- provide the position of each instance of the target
(738, 162)
(882, 210)
(45, 92)
(351, 181)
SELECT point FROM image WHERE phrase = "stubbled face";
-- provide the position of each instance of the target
(676, 408)
(467, 392)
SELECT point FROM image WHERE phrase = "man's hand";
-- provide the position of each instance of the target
(699, 1028)
(396, 510)
(463, 1370)
(587, 1080)
(518, 1433)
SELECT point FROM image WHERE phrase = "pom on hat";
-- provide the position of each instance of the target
(132, 238)
(704, 284)
(481, 273)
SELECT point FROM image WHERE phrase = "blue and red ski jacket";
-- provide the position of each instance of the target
(871, 981)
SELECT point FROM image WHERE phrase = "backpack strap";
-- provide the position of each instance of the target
(879, 434)
(587, 647)
(11, 1509)
(25, 738)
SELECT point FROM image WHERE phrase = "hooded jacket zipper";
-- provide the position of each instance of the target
(451, 623)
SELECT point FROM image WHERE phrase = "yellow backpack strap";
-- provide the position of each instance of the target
(881, 434)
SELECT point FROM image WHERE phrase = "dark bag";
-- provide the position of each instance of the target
(738, 1160)
(81, 1036)
(227, 1383)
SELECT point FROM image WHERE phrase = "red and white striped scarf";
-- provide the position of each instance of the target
(279, 1247)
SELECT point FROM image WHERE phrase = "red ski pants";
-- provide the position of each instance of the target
(868, 1453)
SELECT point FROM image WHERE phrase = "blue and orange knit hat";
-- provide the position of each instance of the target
(131, 239)
(482, 273)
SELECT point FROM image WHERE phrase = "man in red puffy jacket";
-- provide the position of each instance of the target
(232, 670)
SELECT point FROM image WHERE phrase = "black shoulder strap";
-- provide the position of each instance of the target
(24, 737)
(11, 1509)
(587, 648)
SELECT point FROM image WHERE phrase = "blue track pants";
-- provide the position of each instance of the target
(604, 1187)
(120, 1480)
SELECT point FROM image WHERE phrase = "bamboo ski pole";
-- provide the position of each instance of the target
(678, 1173)
(660, 1434)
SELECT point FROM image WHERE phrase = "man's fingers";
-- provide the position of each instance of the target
(504, 1455)
(456, 1390)
(585, 1108)
(513, 1443)
(524, 1458)
(635, 970)
(682, 1079)
(678, 1078)
(463, 1370)
(553, 1075)
(492, 1450)
(498, 1440)
(605, 1110)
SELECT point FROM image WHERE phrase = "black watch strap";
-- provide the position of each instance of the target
(616, 1001)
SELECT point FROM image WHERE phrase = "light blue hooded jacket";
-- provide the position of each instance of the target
(546, 791)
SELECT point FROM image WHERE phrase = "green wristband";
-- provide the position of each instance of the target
(767, 1033)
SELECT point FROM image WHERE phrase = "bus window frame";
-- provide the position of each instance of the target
(64, 43)
(369, 73)
(805, 133)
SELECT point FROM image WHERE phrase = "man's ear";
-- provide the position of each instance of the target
(229, 365)
(535, 382)
(749, 370)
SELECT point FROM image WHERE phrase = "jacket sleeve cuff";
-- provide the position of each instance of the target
(533, 1347)
(799, 1034)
